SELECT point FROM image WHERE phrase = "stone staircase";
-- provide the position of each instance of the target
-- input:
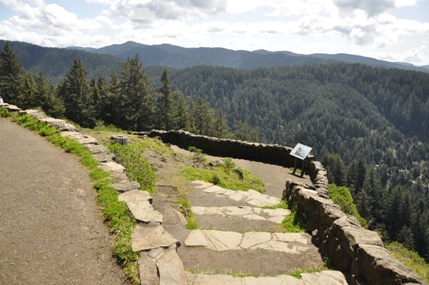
(264, 253)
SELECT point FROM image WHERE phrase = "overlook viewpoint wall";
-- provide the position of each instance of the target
(341, 239)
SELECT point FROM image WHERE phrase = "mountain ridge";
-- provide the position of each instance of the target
(180, 57)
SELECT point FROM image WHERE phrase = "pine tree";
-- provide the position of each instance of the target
(11, 77)
(134, 96)
(76, 95)
(165, 114)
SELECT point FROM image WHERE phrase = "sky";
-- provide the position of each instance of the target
(392, 30)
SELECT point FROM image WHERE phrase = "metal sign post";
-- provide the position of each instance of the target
(300, 151)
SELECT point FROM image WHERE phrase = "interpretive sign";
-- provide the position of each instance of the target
(300, 151)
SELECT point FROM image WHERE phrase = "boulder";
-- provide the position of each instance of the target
(378, 266)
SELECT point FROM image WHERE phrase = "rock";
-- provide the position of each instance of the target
(202, 279)
(182, 218)
(222, 241)
(73, 135)
(283, 247)
(293, 237)
(110, 166)
(96, 148)
(147, 237)
(199, 184)
(215, 189)
(378, 266)
(144, 211)
(35, 114)
(126, 186)
(104, 157)
(279, 280)
(119, 176)
(277, 212)
(196, 238)
(327, 277)
(236, 211)
(170, 268)
(147, 271)
(87, 140)
(254, 238)
(135, 195)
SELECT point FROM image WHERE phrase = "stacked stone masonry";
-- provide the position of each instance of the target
(349, 247)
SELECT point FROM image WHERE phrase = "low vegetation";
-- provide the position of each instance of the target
(225, 175)
(137, 167)
(410, 258)
(295, 222)
(341, 196)
(187, 212)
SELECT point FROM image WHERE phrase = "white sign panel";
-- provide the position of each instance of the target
(300, 151)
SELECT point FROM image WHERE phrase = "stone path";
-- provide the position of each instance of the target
(280, 246)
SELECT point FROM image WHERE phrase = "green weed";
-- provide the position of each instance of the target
(294, 223)
(5, 112)
(136, 166)
(187, 212)
(298, 271)
(410, 258)
(224, 177)
(341, 196)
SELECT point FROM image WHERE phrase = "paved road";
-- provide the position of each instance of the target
(51, 231)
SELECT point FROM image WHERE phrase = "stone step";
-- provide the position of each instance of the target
(246, 213)
(291, 243)
(250, 197)
(327, 277)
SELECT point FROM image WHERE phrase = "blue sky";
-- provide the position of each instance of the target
(393, 30)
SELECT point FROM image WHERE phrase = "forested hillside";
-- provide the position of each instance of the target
(369, 126)
(55, 62)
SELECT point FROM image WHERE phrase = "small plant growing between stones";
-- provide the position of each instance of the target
(185, 209)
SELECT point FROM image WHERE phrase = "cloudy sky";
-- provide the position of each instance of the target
(394, 30)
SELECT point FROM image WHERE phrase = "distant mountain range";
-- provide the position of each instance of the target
(179, 57)
(55, 62)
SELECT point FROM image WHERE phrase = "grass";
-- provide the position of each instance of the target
(410, 258)
(4, 112)
(341, 196)
(187, 212)
(298, 271)
(294, 223)
(116, 213)
(137, 167)
(224, 177)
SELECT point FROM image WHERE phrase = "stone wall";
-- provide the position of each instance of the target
(273, 154)
(340, 238)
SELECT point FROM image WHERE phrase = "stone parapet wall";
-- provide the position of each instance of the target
(345, 243)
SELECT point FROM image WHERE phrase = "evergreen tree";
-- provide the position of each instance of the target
(165, 112)
(335, 168)
(77, 97)
(202, 117)
(221, 129)
(45, 97)
(135, 97)
(11, 77)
